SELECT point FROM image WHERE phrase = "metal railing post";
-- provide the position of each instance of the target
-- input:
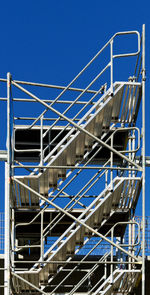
(143, 157)
(133, 238)
(130, 156)
(111, 266)
(106, 178)
(13, 237)
(111, 163)
(133, 148)
(130, 241)
(42, 239)
(41, 141)
(111, 66)
(7, 190)
(105, 270)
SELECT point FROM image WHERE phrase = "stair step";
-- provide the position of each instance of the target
(34, 183)
(80, 236)
(90, 128)
(70, 247)
(98, 216)
(53, 174)
(107, 114)
(61, 161)
(24, 194)
(108, 206)
(44, 185)
(71, 152)
(117, 196)
(99, 122)
(117, 104)
(80, 145)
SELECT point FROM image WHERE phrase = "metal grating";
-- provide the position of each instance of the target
(147, 233)
(2, 231)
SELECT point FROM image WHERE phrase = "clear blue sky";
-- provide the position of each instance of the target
(50, 41)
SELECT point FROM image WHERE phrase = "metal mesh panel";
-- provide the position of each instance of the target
(2, 232)
(147, 233)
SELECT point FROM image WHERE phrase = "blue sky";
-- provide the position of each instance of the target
(50, 41)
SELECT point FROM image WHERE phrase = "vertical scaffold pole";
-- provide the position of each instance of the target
(111, 66)
(7, 191)
(143, 158)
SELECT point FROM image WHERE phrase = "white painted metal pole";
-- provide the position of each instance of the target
(130, 239)
(111, 67)
(13, 236)
(41, 140)
(111, 266)
(111, 163)
(7, 193)
(42, 240)
(143, 158)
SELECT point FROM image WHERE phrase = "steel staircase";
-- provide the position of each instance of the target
(70, 150)
(86, 185)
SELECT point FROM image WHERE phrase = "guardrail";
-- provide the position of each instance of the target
(99, 250)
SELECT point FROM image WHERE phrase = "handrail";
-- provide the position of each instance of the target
(128, 54)
(127, 222)
(91, 61)
(128, 128)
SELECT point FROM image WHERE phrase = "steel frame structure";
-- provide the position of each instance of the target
(74, 179)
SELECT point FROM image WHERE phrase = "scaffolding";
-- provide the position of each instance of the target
(73, 176)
